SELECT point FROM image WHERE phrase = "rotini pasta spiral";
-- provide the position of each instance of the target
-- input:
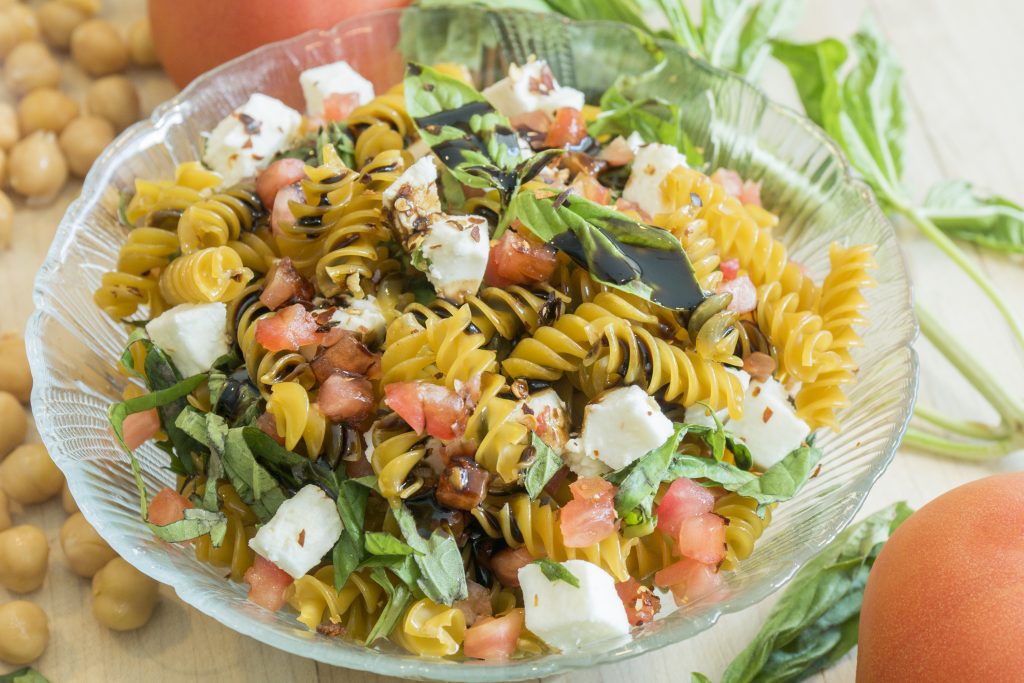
(842, 302)
(257, 249)
(444, 348)
(144, 254)
(160, 200)
(219, 219)
(533, 524)
(506, 312)
(802, 345)
(431, 630)
(397, 450)
(297, 417)
(501, 436)
(204, 276)
(388, 108)
(651, 553)
(234, 552)
(818, 401)
(356, 606)
(376, 138)
(743, 529)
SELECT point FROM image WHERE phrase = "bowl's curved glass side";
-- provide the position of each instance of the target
(73, 347)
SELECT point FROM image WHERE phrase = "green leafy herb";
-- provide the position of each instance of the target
(815, 621)
(24, 675)
(381, 543)
(696, 677)
(238, 401)
(251, 480)
(718, 439)
(626, 11)
(617, 250)
(278, 460)
(443, 577)
(399, 597)
(556, 571)
(638, 482)
(993, 222)
(348, 551)
(310, 149)
(545, 465)
(198, 522)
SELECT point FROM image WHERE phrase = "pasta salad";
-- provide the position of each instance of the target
(480, 374)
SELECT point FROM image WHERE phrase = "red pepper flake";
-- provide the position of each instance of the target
(817, 471)
(329, 629)
(302, 538)
(756, 391)
(767, 415)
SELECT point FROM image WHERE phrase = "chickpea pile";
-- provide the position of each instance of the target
(47, 135)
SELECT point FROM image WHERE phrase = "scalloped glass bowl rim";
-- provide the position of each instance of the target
(368, 659)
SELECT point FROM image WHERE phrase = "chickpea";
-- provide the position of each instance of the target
(38, 168)
(90, 7)
(6, 220)
(23, 555)
(9, 132)
(46, 109)
(98, 48)
(3, 167)
(13, 424)
(115, 99)
(24, 632)
(123, 598)
(83, 140)
(24, 20)
(140, 43)
(85, 549)
(29, 66)
(28, 475)
(57, 20)
(15, 376)
(5, 512)
(8, 34)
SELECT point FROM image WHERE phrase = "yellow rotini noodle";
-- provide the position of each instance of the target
(743, 529)
(431, 630)
(356, 606)
(144, 254)
(208, 275)
(297, 418)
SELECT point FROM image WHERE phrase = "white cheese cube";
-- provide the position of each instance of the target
(635, 141)
(362, 316)
(622, 425)
(413, 198)
(769, 427)
(248, 138)
(651, 166)
(566, 617)
(301, 532)
(580, 463)
(453, 253)
(544, 413)
(193, 335)
(531, 87)
(338, 78)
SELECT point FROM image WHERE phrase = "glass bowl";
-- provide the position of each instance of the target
(73, 346)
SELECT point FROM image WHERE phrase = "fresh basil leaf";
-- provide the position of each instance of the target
(310, 149)
(349, 550)
(155, 399)
(545, 465)
(399, 598)
(625, 11)
(735, 34)
(696, 677)
(528, 5)
(618, 251)
(198, 522)
(718, 439)
(638, 483)
(161, 374)
(556, 571)
(814, 623)
(253, 483)
(235, 397)
(528, 169)
(381, 543)
(815, 71)
(443, 577)
(785, 478)
(466, 133)
(278, 460)
(992, 222)
(24, 675)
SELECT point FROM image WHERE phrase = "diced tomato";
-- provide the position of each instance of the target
(515, 260)
(267, 583)
(537, 120)
(435, 408)
(590, 516)
(348, 354)
(346, 398)
(281, 214)
(640, 603)
(569, 128)
(168, 506)
(684, 498)
(267, 424)
(632, 209)
(590, 188)
(281, 173)
(287, 330)
(751, 193)
(477, 605)
(730, 268)
(690, 580)
(494, 638)
(506, 565)
(617, 152)
(748, 192)
(744, 294)
(702, 538)
(284, 283)
(138, 428)
(339, 105)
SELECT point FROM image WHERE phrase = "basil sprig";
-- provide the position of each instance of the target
(443, 576)
(991, 221)
(556, 571)
(544, 466)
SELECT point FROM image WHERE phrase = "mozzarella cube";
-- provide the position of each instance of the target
(769, 427)
(193, 335)
(564, 616)
(362, 316)
(651, 166)
(580, 463)
(544, 413)
(247, 139)
(531, 87)
(301, 532)
(338, 78)
(413, 199)
(453, 253)
(622, 425)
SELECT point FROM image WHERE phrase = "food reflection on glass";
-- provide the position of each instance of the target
(482, 374)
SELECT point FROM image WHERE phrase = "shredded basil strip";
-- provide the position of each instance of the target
(556, 571)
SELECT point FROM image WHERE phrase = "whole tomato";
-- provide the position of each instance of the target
(193, 36)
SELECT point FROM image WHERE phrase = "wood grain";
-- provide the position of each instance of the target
(964, 123)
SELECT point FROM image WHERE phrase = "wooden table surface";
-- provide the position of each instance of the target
(966, 110)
